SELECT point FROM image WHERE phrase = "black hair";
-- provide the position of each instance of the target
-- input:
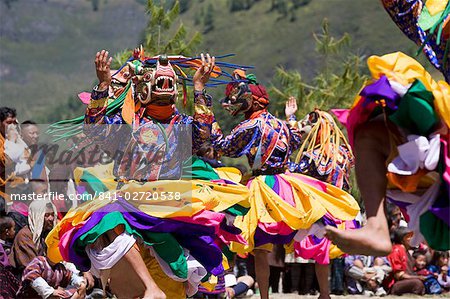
(6, 112)
(437, 255)
(2, 207)
(400, 233)
(6, 223)
(27, 123)
(416, 254)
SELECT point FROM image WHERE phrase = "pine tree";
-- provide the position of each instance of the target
(157, 38)
(208, 20)
(335, 86)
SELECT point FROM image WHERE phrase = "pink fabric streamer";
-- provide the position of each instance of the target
(213, 219)
(308, 250)
(85, 97)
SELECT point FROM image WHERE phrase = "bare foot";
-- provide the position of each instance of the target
(324, 296)
(373, 239)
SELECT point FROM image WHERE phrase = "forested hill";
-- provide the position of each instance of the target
(47, 46)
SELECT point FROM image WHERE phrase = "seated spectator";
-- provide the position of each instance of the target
(238, 288)
(402, 279)
(7, 233)
(439, 266)
(431, 283)
(365, 274)
(30, 241)
(40, 279)
(227, 285)
(8, 282)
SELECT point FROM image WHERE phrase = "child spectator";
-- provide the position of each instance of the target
(439, 266)
(402, 279)
(431, 283)
(40, 279)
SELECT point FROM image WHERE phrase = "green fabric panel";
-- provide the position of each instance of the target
(435, 231)
(93, 182)
(164, 244)
(228, 253)
(270, 181)
(206, 278)
(426, 20)
(198, 169)
(237, 210)
(416, 110)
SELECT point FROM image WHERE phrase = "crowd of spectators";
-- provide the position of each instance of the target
(25, 272)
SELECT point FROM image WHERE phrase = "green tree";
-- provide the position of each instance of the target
(157, 40)
(335, 86)
(160, 36)
(208, 20)
(184, 5)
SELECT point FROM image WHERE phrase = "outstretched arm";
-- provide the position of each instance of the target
(295, 134)
(206, 129)
(204, 119)
(96, 109)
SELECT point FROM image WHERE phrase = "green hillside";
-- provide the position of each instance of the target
(47, 47)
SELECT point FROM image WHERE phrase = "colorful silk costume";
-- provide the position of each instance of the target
(326, 156)
(403, 92)
(281, 202)
(181, 240)
(427, 23)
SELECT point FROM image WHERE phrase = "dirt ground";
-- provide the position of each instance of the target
(292, 296)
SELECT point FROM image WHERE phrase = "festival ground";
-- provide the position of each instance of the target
(292, 296)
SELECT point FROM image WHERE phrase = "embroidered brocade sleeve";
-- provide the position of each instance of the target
(96, 110)
(203, 119)
(99, 126)
(206, 128)
(241, 141)
(295, 137)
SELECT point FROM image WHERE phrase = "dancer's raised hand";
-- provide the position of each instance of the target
(201, 76)
(291, 107)
(102, 67)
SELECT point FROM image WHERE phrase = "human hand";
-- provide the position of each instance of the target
(89, 280)
(102, 68)
(201, 76)
(368, 276)
(291, 107)
(58, 293)
(230, 293)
